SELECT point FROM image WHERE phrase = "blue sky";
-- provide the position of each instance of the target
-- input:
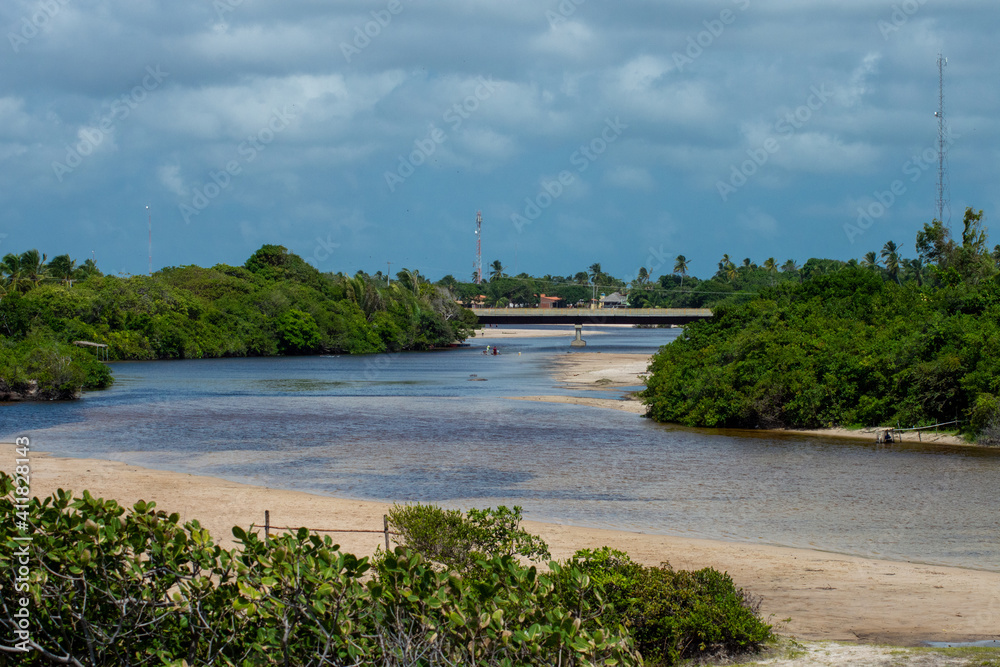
(360, 133)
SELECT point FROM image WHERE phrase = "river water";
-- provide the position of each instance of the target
(420, 427)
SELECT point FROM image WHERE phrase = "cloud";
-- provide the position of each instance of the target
(630, 178)
(755, 220)
(170, 178)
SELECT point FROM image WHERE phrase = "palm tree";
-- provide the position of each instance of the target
(10, 269)
(581, 278)
(916, 267)
(747, 264)
(643, 278)
(496, 270)
(595, 272)
(681, 267)
(789, 266)
(890, 252)
(89, 268)
(33, 266)
(870, 260)
(63, 268)
(771, 266)
(731, 272)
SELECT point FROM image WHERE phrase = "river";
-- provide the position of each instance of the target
(421, 427)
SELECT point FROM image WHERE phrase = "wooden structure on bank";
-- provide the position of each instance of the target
(895, 434)
(98, 346)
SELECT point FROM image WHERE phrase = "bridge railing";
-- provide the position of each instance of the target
(597, 312)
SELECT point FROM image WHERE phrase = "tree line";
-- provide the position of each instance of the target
(850, 344)
(274, 304)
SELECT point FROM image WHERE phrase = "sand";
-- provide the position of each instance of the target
(825, 596)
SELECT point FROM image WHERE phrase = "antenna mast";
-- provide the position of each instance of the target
(478, 265)
(150, 216)
(942, 197)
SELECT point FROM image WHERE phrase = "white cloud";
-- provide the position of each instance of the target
(170, 178)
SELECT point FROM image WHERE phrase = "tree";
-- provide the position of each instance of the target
(681, 267)
(771, 266)
(970, 261)
(87, 269)
(33, 267)
(63, 268)
(497, 270)
(870, 260)
(10, 268)
(298, 333)
(731, 272)
(581, 278)
(890, 252)
(789, 266)
(642, 280)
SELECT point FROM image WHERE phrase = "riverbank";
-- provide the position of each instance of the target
(825, 596)
(602, 371)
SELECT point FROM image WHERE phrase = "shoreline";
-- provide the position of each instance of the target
(827, 596)
(602, 371)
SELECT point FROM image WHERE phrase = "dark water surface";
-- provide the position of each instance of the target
(414, 427)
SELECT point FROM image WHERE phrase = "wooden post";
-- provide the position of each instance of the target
(385, 528)
(267, 525)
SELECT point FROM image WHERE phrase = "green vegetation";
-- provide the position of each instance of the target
(458, 542)
(669, 615)
(856, 346)
(275, 304)
(106, 585)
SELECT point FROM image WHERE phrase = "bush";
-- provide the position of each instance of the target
(672, 615)
(458, 542)
(110, 586)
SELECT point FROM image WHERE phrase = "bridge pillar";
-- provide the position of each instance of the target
(579, 341)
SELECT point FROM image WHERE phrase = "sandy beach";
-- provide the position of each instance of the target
(825, 595)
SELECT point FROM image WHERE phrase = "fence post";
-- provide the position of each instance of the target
(385, 528)
(267, 525)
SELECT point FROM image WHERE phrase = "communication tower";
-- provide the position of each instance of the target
(942, 189)
(478, 265)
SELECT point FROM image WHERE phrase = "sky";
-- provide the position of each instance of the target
(366, 135)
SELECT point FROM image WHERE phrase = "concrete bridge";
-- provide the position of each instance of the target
(580, 316)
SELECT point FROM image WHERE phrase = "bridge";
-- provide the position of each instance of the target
(580, 316)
